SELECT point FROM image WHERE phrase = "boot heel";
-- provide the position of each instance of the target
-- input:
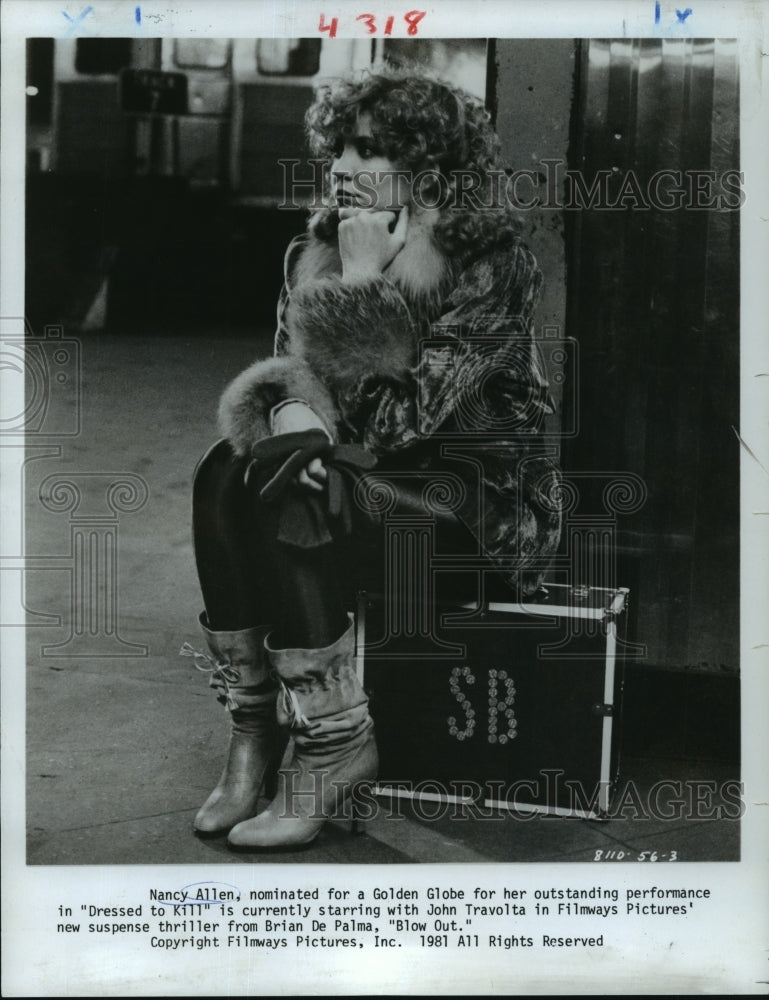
(239, 673)
(357, 822)
(271, 780)
(333, 746)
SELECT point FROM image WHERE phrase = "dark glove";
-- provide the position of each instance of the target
(276, 460)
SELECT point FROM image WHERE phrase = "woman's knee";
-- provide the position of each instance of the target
(218, 473)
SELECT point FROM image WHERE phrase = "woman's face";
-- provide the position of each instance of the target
(363, 177)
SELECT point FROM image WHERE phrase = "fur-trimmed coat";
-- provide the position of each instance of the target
(436, 352)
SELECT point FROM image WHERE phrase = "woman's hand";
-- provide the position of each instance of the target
(366, 244)
(298, 416)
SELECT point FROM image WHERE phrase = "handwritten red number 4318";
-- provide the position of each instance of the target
(412, 19)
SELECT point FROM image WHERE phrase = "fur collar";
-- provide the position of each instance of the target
(421, 271)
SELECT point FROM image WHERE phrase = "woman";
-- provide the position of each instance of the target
(405, 321)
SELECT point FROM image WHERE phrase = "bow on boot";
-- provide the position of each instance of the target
(326, 710)
(244, 684)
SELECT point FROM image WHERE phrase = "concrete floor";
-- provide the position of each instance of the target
(122, 749)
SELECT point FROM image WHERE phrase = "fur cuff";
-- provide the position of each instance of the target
(345, 331)
(244, 410)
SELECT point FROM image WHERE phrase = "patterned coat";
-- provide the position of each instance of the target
(431, 366)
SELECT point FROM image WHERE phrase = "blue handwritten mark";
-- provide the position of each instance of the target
(207, 893)
(138, 15)
(75, 22)
(683, 16)
(657, 12)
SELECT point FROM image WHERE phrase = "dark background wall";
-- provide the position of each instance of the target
(651, 300)
(533, 99)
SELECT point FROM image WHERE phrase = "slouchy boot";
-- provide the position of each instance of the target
(241, 676)
(326, 708)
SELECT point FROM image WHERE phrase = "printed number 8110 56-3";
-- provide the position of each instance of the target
(620, 855)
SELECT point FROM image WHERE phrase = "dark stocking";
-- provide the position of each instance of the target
(249, 578)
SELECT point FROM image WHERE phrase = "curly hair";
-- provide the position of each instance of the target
(422, 124)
